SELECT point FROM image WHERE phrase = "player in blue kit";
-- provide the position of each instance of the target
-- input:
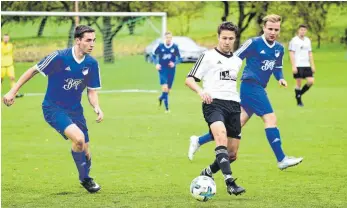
(166, 56)
(69, 72)
(264, 57)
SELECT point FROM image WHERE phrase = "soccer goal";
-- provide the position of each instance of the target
(118, 33)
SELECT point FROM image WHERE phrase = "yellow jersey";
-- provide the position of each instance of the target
(6, 54)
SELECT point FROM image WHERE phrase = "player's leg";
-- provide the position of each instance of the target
(163, 83)
(274, 139)
(298, 92)
(310, 80)
(170, 79)
(3, 73)
(87, 182)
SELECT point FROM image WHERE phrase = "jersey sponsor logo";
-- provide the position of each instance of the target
(85, 71)
(277, 53)
(166, 56)
(268, 65)
(226, 75)
(72, 83)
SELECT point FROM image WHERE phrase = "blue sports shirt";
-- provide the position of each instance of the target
(67, 77)
(166, 54)
(262, 60)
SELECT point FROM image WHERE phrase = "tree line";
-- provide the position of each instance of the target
(314, 14)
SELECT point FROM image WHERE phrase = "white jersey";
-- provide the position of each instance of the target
(218, 73)
(301, 50)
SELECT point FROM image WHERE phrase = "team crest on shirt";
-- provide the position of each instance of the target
(172, 50)
(85, 70)
(277, 53)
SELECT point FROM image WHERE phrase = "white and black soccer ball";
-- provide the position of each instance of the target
(203, 188)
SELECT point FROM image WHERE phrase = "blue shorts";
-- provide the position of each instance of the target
(166, 76)
(60, 118)
(254, 99)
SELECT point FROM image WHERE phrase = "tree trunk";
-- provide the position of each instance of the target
(131, 25)
(318, 40)
(107, 36)
(240, 23)
(42, 26)
(71, 33)
(226, 11)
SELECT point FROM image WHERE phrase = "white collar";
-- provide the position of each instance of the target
(74, 56)
(169, 46)
(270, 46)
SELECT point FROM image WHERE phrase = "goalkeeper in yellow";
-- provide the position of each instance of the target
(7, 68)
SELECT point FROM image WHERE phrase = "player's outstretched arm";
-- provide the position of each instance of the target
(10, 96)
(191, 83)
(94, 101)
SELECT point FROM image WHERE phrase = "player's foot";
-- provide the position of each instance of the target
(233, 188)
(19, 95)
(207, 172)
(90, 185)
(167, 111)
(193, 146)
(289, 162)
(299, 101)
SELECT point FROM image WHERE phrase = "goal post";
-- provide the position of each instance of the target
(163, 15)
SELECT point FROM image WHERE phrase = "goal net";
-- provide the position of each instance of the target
(36, 34)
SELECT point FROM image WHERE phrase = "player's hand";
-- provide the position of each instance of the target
(295, 70)
(9, 98)
(158, 67)
(100, 114)
(283, 83)
(205, 97)
(171, 64)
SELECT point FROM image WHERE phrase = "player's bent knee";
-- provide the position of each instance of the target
(270, 120)
(232, 156)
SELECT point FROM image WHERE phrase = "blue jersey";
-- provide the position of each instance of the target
(262, 60)
(166, 54)
(67, 78)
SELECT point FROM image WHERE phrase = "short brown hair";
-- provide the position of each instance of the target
(227, 26)
(303, 26)
(167, 33)
(272, 18)
(81, 29)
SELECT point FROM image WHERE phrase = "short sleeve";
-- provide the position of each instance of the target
(94, 79)
(245, 50)
(49, 64)
(199, 69)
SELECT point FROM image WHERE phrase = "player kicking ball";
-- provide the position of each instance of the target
(264, 57)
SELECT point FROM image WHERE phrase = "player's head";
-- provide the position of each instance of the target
(226, 36)
(302, 29)
(85, 38)
(272, 27)
(168, 38)
(6, 38)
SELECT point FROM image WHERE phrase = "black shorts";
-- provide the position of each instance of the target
(303, 72)
(226, 111)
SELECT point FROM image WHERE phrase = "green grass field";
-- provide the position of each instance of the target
(140, 153)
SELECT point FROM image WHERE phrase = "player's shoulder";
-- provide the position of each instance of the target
(90, 59)
(279, 45)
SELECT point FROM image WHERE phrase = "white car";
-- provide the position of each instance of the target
(189, 50)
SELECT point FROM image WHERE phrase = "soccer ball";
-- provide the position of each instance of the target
(203, 188)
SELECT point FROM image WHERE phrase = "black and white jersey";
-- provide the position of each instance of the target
(218, 73)
(301, 50)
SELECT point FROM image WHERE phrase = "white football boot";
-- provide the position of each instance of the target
(193, 146)
(289, 162)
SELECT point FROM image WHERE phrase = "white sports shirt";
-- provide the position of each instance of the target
(301, 50)
(218, 73)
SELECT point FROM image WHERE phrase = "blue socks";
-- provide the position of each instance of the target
(165, 96)
(274, 138)
(81, 164)
(205, 138)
